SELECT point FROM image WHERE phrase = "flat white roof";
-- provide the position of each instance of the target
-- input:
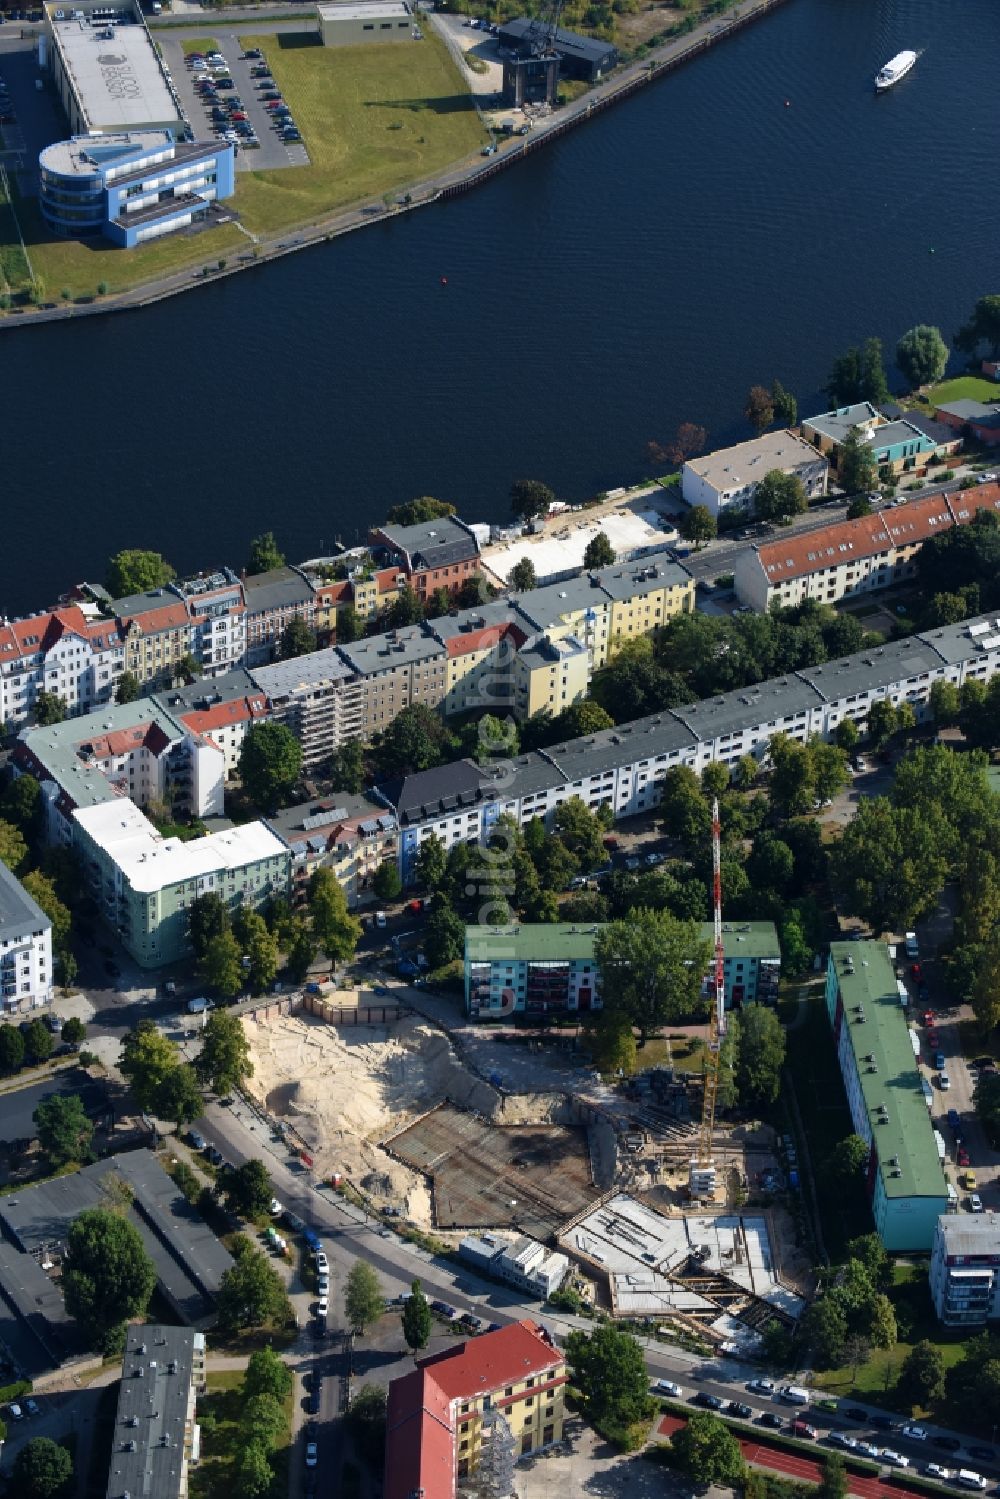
(748, 462)
(149, 861)
(560, 551)
(363, 10)
(117, 77)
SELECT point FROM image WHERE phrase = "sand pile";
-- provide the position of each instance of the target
(344, 1089)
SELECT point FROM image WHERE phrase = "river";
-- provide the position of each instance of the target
(643, 271)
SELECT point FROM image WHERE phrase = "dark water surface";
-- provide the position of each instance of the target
(643, 271)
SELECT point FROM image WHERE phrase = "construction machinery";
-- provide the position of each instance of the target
(702, 1176)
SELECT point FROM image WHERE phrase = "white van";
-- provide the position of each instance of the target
(794, 1394)
(969, 1480)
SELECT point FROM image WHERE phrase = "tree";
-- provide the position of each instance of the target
(269, 764)
(337, 931)
(147, 1057)
(611, 1042)
(494, 739)
(64, 1131)
(296, 639)
(707, 1451)
(135, 571)
(21, 804)
(945, 703)
(833, 1482)
(364, 1300)
(224, 1060)
(346, 768)
(405, 609)
(38, 1042)
(881, 723)
(349, 626)
(128, 688)
(844, 386)
(431, 863)
(42, 1469)
(249, 1189)
(301, 952)
(415, 740)
(651, 968)
(262, 1419)
(598, 553)
(688, 440)
(983, 327)
(251, 1291)
(786, 408)
(580, 831)
(697, 524)
(267, 1374)
(610, 1372)
(779, 496)
(921, 1377)
(868, 1251)
(579, 720)
(178, 1097)
(13, 849)
(208, 917)
(529, 497)
(921, 355)
(386, 881)
(873, 385)
(264, 554)
(823, 1329)
(415, 512)
(254, 1474)
(49, 708)
(444, 939)
(417, 1320)
(761, 1055)
(261, 947)
(188, 668)
(366, 1419)
(522, 576)
(11, 1049)
(859, 507)
(108, 1277)
(848, 1158)
(890, 863)
(881, 1322)
(759, 409)
(222, 966)
(43, 892)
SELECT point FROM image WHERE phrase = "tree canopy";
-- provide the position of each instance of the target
(296, 639)
(414, 512)
(64, 1131)
(651, 968)
(983, 327)
(415, 740)
(857, 468)
(337, 931)
(249, 1189)
(269, 764)
(697, 524)
(609, 1370)
(364, 1299)
(42, 1470)
(224, 1060)
(759, 409)
(779, 496)
(859, 375)
(264, 554)
(251, 1291)
(760, 1055)
(530, 498)
(417, 1320)
(598, 552)
(135, 571)
(108, 1277)
(522, 577)
(921, 355)
(707, 1451)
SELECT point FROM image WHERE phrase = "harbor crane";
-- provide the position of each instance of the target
(701, 1181)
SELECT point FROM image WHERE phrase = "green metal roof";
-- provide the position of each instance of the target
(541, 942)
(555, 941)
(884, 1037)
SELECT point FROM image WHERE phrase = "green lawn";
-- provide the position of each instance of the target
(374, 120)
(200, 44)
(214, 1478)
(964, 388)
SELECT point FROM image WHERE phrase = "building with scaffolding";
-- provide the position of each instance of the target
(472, 1411)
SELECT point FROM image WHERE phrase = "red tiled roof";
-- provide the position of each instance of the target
(163, 617)
(221, 715)
(493, 1360)
(148, 736)
(419, 1439)
(332, 593)
(482, 640)
(386, 577)
(967, 503)
(25, 637)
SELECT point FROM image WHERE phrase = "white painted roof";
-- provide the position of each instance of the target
(118, 78)
(149, 861)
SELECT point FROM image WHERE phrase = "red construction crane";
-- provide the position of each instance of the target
(702, 1175)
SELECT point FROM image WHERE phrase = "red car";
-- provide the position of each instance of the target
(963, 1156)
(929, 1017)
(237, 114)
(916, 972)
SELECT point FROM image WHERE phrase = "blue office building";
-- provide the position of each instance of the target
(133, 186)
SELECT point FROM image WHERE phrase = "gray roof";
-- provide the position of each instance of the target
(152, 1413)
(547, 652)
(19, 914)
(838, 423)
(893, 432)
(446, 788)
(36, 1332)
(285, 678)
(432, 543)
(527, 774)
(973, 411)
(206, 692)
(964, 641)
(970, 1234)
(590, 48)
(873, 669)
(772, 705)
(466, 621)
(57, 746)
(281, 588)
(189, 1259)
(641, 739)
(544, 607)
(142, 603)
(937, 431)
(297, 824)
(396, 648)
(648, 575)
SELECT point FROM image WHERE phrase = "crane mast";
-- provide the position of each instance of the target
(701, 1181)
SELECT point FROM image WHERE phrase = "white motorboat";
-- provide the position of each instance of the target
(896, 68)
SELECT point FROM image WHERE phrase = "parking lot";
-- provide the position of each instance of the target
(30, 118)
(230, 93)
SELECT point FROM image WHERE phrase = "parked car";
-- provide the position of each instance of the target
(740, 1409)
(975, 1206)
(771, 1419)
(894, 1459)
(31, 1407)
(935, 1470)
(841, 1439)
(312, 1455)
(915, 1433)
(804, 1430)
(761, 1386)
(963, 1156)
(666, 1387)
(710, 1402)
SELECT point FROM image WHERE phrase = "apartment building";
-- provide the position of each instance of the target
(157, 1437)
(402, 667)
(219, 709)
(645, 595)
(218, 635)
(144, 883)
(851, 557)
(522, 1262)
(25, 948)
(827, 431)
(156, 630)
(481, 651)
(965, 1269)
(577, 607)
(491, 1400)
(353, 836)
(273, 599)
(905, 1179)
(441, 553)
(58, 651)
(728, 478)
(331, 598)
(320, 697)
(549, 676)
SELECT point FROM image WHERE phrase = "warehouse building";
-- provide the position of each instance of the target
(107, 72)
(965, 1269)
(906, 1182)
(343, 24)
